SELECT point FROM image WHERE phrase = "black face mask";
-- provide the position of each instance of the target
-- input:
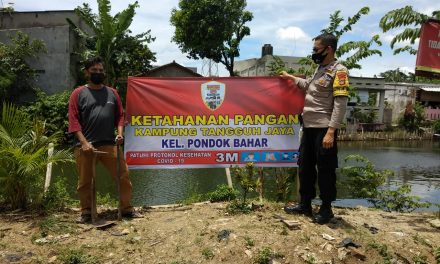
(319, 57)
(97, 77)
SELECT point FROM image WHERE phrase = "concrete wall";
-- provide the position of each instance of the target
(56, 68)
(53, 67)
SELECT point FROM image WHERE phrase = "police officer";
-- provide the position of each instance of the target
(326, 97)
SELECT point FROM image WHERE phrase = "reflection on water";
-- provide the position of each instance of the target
(414, 162)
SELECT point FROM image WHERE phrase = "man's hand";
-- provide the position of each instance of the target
(87, 147)
(286, 76)
(329, 138)
(119, 139)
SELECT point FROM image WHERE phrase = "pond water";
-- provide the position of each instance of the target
(414, 162)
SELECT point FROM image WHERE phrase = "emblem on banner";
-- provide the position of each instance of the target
(213, 94)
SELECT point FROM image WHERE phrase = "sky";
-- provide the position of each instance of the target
(289, 26)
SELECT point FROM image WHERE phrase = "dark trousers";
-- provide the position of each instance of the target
(316, 162)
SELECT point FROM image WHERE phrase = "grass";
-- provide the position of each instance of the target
(53, 225)
(77, 256)
(266, 255)
(249, 241)
(207, 253)
(382, 249)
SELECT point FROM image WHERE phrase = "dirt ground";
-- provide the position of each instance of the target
(206, 233)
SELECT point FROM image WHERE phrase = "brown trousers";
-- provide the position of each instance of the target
(84, 166)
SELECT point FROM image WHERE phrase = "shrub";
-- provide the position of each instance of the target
(23, 157)
(436, 126)
(398, 200)
(363, 180)
(53, 109)
(246, 178)
(222, 193)
(57, 198)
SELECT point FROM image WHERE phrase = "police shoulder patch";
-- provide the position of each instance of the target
(340, 84)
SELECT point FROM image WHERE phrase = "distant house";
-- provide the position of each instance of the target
(399, 94)
(173, 69)
(260, 66)
(57, 68)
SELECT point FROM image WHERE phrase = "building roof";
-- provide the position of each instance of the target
(431, 89)
(175, 65)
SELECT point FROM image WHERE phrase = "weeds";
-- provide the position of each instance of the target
(420, 240)
(420, 259)
(437, 255)
(236, 207)
(382, 249)
(249, 241)
(52, 225)
(106, 199)
(266, 255)
(398, 200)
(75, 256)
(57, 198)
(363, 180)
(207, 253)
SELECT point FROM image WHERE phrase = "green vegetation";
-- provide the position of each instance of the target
(284, 179)
(249, 241)
(266, 255)
(437, 255)
(246, 178)
(106, 199)
(24, 158)
(404, 17)
(413, 118)
(122, 53)
(222, 193)
(436, 126)
(363, 180)
(211, 29)
(57, 198)
(16, 76)
(52, 109)
(382, 249)
(207, 253)
(77, 256)
(420, 259)
(399, 200)
(53, 225)
(353, 51)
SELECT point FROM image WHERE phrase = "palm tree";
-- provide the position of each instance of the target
(405, 17)
(23, 156)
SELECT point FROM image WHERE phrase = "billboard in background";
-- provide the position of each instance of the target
(211, 122)
(428, 54)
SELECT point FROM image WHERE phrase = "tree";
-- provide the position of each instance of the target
(359, 49)
(211, 29)
(23, 156)
(112, 41)
(397, 76)
(405, 17)
(16, 76)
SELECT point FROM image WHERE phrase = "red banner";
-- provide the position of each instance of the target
(428, 55)
(206, 122)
